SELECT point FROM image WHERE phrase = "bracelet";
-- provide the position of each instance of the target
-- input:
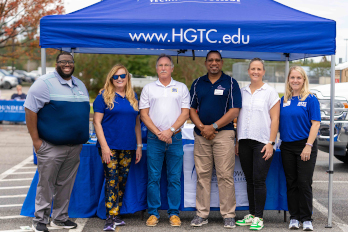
(309, 144)
(139, 145)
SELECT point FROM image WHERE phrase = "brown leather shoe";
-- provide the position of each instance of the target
(175, 221)
(152, 221)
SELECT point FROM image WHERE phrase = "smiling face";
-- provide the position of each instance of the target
(214, 63)
(256, 71)
(120, 84)
(65, 70)
(164, 68)
(296, 81)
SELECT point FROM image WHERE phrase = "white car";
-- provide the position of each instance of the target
(7, 82)
(341, 119)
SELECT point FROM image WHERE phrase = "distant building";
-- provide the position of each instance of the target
(341, 72)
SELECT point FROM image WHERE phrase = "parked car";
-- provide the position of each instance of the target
(7, 82)
(341, 119)
(7, 73)
(24, 75)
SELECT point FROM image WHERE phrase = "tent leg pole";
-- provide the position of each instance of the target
(43, 61)
(287, 67)
(331, 152)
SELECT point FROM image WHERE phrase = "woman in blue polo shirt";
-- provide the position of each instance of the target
(117, 125)
(298, 127)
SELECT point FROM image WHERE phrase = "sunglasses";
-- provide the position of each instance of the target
(115, 77)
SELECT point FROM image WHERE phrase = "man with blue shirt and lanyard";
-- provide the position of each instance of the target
(215, 103)
(57, 115)
(164, 108)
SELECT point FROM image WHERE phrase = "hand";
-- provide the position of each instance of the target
(208, 132)
(106, 154)
(37, 144)
(236, 148)
(165, 136)
(268, 149)
(306, 153)
(138, 154)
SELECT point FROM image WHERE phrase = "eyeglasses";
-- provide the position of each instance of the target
(64, 62)
(164, 65)
(212, 60)
(115, 77)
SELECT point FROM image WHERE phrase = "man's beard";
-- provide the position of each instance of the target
(63, 75)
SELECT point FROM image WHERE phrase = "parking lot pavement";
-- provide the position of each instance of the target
(7, 93)
(17, 170)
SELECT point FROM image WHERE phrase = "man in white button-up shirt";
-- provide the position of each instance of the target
(164, 107)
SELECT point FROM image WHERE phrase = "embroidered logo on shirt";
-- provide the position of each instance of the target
(304, 104)
(174, 90)
(80, 92)
(220, 87)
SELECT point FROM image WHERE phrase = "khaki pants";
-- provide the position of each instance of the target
(220, 151)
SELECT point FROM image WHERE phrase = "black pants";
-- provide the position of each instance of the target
(255, 169)
(299, 179)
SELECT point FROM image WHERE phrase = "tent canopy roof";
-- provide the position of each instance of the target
(238, 28)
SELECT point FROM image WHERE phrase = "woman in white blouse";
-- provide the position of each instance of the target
(257, 129)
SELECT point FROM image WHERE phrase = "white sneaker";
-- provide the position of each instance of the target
(257, 224)
(294, 224)
(307, 226)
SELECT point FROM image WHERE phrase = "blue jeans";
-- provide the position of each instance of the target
(157, 150)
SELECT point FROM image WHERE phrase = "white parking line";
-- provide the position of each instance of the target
(326, 181)
(81, 222)
(15, 168)
(11, 217)
(10, 180)
(335, 220)
(34, 167)
(13, 196)
(14, 205)
(14, 187)
(22, 173)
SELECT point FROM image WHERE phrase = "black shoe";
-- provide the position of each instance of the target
(40, 227)
(64, 225)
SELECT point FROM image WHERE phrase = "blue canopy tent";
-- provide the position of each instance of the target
(238, 28)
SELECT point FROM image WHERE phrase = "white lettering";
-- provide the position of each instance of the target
(245, 42)
(236, 36)
(135, 36)
(181, 35)
(207, 36)
(161, 37)
(226, 39)
(201, 34)
(193, 36)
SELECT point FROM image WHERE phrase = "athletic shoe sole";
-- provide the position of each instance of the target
(198, 225)
(62, 227)
(34, 229)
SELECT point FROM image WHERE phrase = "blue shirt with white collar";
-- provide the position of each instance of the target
(296, 116)
(212, 101)
(63, 111)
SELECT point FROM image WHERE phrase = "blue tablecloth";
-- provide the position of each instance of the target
(87, 198)
(12, 110)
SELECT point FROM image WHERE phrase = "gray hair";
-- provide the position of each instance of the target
(257, 59)
(165, 55)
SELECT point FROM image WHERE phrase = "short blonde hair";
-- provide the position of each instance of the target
(109, 89)
(305, 88)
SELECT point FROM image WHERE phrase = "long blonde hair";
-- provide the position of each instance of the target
(305, 88)
(109, 89)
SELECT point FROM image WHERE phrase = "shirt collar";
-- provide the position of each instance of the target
(172, 82)
(63, 81)
(206, 78)
(265, 86)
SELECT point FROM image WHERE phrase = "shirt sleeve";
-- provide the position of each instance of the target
(185, 102)
(314, 108)
(273, 98)
(193, 94)
(235, 100)
(38, 96)
(99, 104)
(144, 98)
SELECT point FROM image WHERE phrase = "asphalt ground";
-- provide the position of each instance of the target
(17, 170)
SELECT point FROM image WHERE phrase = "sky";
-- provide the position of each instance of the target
(331, 9)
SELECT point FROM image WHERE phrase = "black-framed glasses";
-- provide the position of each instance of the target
(64, 62)
(115, 77)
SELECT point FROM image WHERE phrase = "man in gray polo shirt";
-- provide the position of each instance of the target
(57, 115)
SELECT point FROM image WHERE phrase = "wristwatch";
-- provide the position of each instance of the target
(172, 129)
(271, 142)
(140, 145)
(215, 126)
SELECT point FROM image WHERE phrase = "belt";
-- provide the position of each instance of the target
(177, 132)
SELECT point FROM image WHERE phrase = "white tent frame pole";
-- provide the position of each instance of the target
(331, 152)
(43, 61)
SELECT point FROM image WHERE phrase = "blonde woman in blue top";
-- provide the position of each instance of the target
(298, 127)
(117, 125)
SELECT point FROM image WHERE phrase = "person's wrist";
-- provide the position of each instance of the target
(309, 144)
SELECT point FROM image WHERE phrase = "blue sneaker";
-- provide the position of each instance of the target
(110, 225)
(118, 221)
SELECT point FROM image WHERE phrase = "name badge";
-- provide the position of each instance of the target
(218, 92)
(80, 92)
(287, 103)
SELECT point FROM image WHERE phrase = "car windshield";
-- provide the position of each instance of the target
(5, 72)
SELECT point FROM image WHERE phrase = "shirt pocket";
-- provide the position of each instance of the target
(258, 104)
